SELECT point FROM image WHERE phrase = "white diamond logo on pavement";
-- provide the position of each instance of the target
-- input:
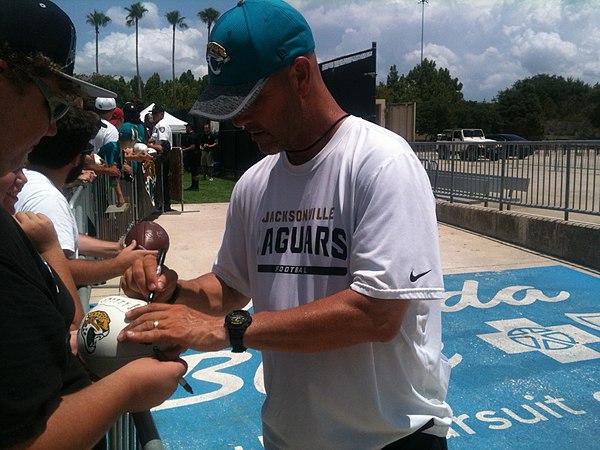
(591, 320)
(563, 343)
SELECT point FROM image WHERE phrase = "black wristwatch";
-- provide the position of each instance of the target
(236, 323)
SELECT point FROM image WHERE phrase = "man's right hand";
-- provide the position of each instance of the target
(141, 278)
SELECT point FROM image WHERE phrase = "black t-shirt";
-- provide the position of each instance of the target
(36, 311)
(189, 139)
(209, 139)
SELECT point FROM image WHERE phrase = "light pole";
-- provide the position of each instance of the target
(422, 2)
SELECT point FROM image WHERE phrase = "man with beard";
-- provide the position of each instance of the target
(55, 162)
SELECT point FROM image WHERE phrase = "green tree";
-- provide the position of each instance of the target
(176, 21)
(594, 102)
(520, 111)
(154, 89)
(547, 106)
(135, 12)
(437, 95)
(209, 16)
(471, 114)
(97, 20)
(395, 86)
(118, 85)
(188, 90)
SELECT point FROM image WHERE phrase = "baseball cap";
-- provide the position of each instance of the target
(39, 26)
(157, 109)
(105, 103)
(117, 114)
(248, 43)
(128, 131)
(129, 107)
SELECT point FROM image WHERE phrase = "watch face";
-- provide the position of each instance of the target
(237, 319)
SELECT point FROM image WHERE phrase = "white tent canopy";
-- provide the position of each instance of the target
(177, 126)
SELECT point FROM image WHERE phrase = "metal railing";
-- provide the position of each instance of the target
(97, 214)
(553, 175)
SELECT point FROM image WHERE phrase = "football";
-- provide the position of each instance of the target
(148, 235)
(97, 343)
(140, 148)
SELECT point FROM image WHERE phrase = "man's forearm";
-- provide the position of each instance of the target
(89, 246)
(92, 271)
(338, 321)
(210, 295)
(73, 426)
(57, 260)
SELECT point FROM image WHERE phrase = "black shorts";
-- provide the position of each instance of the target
(419, 441)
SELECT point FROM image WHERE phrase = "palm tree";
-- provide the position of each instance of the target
(209, 16)
(136, 12)
(97, 20)
(176, 21)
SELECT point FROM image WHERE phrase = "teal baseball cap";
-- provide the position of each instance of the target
(128, 131)
(247, 44)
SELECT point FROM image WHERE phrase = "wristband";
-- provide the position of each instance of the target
(174, 295)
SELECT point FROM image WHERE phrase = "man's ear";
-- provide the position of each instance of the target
(300, 73)
(3, 65)
(76, 160)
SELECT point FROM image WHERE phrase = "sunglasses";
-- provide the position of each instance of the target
(58, 104)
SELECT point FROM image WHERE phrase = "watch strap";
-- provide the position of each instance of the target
(236, 323)
(174, 295)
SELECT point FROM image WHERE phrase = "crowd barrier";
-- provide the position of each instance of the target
(95, 204)
(552, 175)
(98, 214)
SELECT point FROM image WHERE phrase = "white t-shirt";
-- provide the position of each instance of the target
(106, 134)
(39, 195)
(359, 215)
(162, 132)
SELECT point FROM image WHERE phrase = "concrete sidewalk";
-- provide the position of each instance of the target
(196, 232)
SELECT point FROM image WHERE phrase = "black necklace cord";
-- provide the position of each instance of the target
(323, 135)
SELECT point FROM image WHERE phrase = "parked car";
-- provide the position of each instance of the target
(518, 146)
(475, 145)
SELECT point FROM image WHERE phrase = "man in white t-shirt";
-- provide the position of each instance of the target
(54, 162)
(107, 132)
(333, 236)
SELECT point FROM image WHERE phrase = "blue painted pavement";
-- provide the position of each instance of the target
(525, 350)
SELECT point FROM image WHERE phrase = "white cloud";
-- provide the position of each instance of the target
(543, 52)
(488, 44)
(117, 53)
(151, 19)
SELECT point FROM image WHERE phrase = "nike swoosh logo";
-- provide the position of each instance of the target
(414, 277)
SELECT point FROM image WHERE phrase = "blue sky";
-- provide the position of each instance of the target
(486, 44)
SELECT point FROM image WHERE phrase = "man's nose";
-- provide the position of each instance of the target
(52, 129)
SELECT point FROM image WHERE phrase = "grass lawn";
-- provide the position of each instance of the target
(216, 191)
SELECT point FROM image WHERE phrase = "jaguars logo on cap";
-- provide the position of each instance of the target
(216, 56)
